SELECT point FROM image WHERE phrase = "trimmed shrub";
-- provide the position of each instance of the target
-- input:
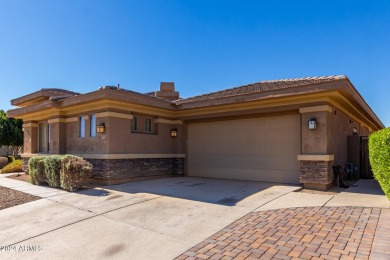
(75, 172)
(11, 158)
(52, 170)
(3, 162)
(15, 166)
(36, 167)
(379, 150)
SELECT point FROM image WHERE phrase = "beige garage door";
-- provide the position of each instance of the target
(261, 149)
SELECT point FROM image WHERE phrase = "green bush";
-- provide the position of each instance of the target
(67, 171)
(36, 167)
(11, 158)
(75, 172)
(15, 166)
(3, 162)
(379, 150)
(52, 170)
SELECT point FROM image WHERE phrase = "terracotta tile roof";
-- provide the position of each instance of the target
(43, 94)
(56, 98)
(151, 94)
(264, 86)
(61, 90)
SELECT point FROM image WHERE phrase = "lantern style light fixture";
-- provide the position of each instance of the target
(173, 132)
(312, 124)
(101, 128)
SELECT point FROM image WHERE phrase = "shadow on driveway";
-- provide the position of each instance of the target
(217, 191)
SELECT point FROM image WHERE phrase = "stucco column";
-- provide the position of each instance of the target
(30, 137)
(57, 143)
(30, 142)
(316, 162)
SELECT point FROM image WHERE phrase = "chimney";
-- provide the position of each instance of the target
(167, 91)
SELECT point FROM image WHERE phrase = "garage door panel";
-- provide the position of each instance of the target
(283, 176)
(263, 149)
(264, 162)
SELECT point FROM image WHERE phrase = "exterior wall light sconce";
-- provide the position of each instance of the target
(312, 124)
(174, 132)
(355, 131)
(101, 128)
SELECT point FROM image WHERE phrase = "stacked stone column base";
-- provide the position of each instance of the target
(316, 174)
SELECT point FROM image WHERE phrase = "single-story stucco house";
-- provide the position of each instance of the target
(287, 131)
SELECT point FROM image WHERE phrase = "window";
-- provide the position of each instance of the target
(42, 137)
(92, 123)
(134, 124)
(82, 126)
(148, 125)
(48, 137)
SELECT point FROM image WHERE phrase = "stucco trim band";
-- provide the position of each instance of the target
(316, 157)
(62, 120)
(166, 121)
(30, 125)
(114, 114)
(323, 108)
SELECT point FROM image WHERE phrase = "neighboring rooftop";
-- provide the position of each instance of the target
(263, 86)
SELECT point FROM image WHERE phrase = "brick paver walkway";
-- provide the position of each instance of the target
(299, 233)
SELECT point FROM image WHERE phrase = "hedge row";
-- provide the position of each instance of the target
(379, 150)
(66, 171)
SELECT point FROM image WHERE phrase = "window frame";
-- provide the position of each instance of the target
(148, 119)
(134, 124)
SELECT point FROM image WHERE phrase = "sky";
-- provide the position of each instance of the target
(201, 45)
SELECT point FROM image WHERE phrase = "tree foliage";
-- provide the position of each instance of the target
(11, 133)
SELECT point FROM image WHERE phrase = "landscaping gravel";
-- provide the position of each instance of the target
(20, 177)
(332, 191)
(10, 197)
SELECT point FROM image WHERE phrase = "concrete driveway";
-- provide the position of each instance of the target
(156, 219)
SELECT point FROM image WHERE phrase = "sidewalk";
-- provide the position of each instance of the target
(40, 191)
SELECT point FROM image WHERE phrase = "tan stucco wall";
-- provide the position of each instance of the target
(341, 126)
(122, 140)
(57, 138)
(117, 139)
(330, 137)
(315, 141)
(77, 145)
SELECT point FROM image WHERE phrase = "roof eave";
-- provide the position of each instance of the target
(102, 94)
(360, 100)
(304, 89)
